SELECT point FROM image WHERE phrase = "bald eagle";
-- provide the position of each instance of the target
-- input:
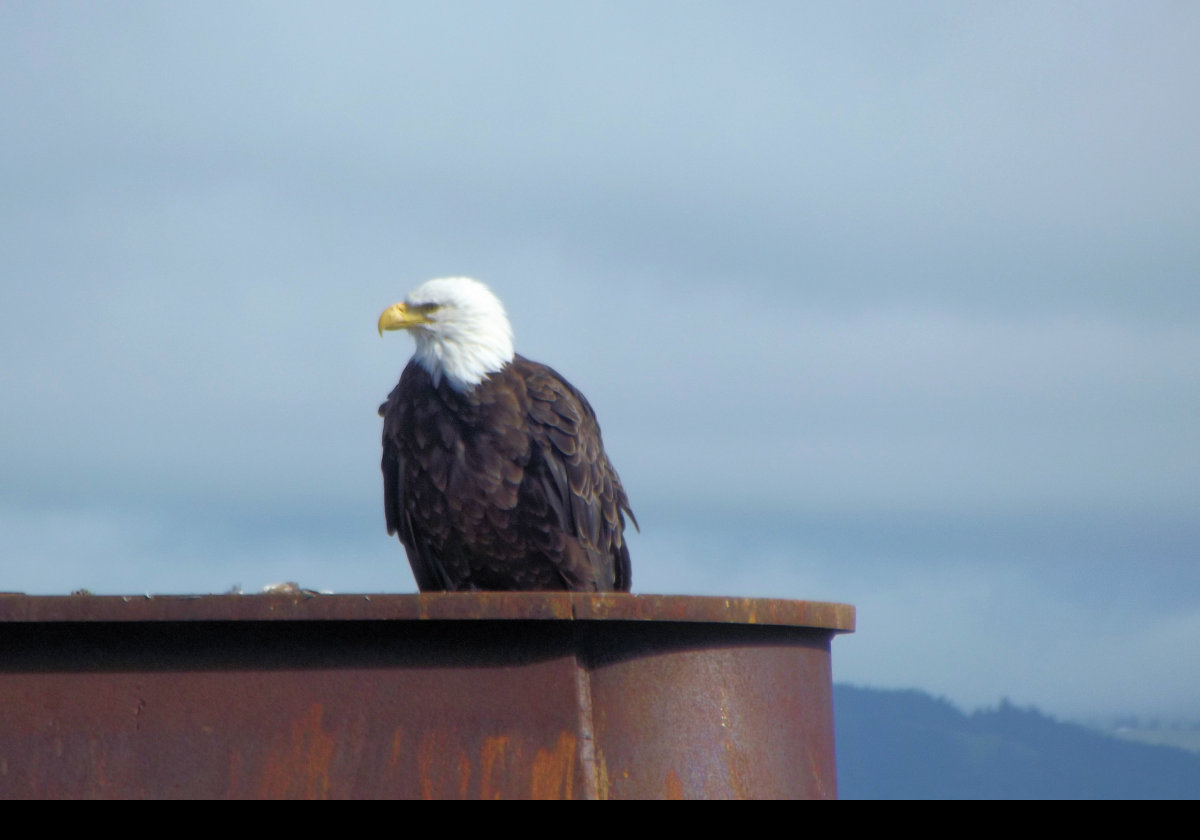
(494, 473)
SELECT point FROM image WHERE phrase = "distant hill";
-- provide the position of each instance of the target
(909, 745)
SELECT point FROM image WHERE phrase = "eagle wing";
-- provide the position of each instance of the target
(570, 471)
(427, 568)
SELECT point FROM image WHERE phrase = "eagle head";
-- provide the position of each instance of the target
(460, 328)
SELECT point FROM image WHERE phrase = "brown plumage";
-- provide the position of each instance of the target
(503, 485)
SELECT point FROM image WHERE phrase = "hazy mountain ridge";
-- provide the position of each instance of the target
(909, 745)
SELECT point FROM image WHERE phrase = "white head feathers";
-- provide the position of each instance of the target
(460, 328)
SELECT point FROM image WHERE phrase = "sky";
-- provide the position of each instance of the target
(887, 304)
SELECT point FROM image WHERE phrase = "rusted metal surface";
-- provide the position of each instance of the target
(497, 695)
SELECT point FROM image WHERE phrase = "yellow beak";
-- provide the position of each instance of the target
(400, 317)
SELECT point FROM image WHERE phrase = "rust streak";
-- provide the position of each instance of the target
(464, 774)
(397, 745)
(301, 771)
(739, 771)
(553, 770)
(491, 765)
(426, 752)
(674, 786)
(443, 770)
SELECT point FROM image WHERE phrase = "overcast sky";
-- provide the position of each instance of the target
(889, 304)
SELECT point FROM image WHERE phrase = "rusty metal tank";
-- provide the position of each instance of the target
(474, 696)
